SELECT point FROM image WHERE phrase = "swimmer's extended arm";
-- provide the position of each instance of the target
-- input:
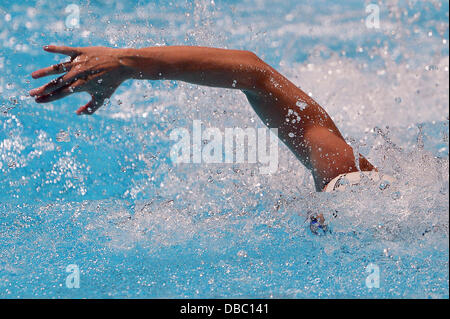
(302, 124)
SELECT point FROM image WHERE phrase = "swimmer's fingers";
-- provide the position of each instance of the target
(70, 51)
(62, 92)
(93, 105)
(54, 69)
(98, 99)
(73, 52)
(54, 84)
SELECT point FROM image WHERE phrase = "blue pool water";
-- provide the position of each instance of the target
(101, 192)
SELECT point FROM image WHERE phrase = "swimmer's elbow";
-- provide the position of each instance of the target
(252, 56)
(259, 72)
(257, 63)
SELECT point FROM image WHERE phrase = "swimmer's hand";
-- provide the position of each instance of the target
(96, 70)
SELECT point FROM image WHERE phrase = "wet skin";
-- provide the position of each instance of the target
(303, 125)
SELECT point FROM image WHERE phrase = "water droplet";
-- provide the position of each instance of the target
(396, 195)
(63, 136)
(302, 105)
(242, 253)
(384, 185)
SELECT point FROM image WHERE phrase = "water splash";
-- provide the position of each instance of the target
(101, 191)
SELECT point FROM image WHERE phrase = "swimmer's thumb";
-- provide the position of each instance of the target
(90, 107)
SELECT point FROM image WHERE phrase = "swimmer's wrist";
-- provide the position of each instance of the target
(139, 63)
(126, 60)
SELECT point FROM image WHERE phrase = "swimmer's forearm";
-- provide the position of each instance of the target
(234, 69)
(302, 124)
